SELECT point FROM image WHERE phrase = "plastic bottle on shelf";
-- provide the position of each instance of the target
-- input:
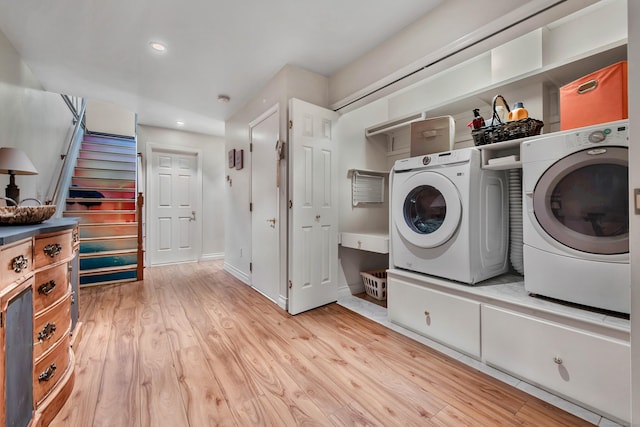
(478, 120)
(518, 112)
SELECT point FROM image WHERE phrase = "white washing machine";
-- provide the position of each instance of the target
(449, 217)
(576, 216)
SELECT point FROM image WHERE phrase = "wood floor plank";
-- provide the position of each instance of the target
(191, 346)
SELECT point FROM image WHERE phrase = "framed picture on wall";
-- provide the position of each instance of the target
(239, 159)
(232, 157)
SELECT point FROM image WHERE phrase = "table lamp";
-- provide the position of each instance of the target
(15, 162)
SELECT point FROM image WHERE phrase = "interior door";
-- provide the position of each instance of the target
(313, 235)
(265, 222)
(173, 204)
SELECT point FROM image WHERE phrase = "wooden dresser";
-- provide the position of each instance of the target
(38, 320)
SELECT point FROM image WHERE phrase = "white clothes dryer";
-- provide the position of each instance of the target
(576, 216)
(449, 217)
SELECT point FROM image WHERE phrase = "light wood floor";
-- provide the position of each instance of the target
(192, 346)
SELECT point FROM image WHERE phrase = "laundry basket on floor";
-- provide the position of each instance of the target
(375, 283)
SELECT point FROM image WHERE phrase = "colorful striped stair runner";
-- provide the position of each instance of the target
(103, 196)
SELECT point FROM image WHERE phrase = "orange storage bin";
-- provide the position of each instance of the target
(599, 97)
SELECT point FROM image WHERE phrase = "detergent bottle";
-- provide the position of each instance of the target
(518, 112)
(478, 120)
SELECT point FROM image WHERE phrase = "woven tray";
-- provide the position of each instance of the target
(21, 215)
(504, 131)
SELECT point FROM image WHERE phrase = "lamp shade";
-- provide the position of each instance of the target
(14, 161)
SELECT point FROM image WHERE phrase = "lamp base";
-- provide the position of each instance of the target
(12, 191)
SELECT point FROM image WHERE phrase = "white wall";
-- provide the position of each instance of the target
(213, 179)
(104, 117)
(36, 121)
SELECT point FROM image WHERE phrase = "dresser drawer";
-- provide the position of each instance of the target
(50, 369)
(586, 367)
(449, 319)
(51, 325)
(50, 285)
(50, 249)
(16, 261)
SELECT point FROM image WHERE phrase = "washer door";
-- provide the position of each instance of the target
(427, 209)
(582, 201)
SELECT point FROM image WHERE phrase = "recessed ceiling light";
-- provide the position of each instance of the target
(157, 46)
(223, 99)
(180, 123)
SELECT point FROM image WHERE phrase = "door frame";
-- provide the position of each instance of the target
(275, 109)
(154, 147)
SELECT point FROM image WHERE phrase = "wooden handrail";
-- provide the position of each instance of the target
(140, 255)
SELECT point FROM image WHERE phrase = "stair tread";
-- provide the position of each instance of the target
(123, 190)
(108, 224)
(103, 270)
(119, 237)
(98, 211)
(111, 179)
(100, 199)
(108, 253)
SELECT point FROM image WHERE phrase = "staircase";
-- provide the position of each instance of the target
(103, 197)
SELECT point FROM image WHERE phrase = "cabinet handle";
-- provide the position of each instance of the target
(52, 249)
(75, 236)
(48, 373)
(19, 263)
(47, 288)
(557, 360)
(47, 332)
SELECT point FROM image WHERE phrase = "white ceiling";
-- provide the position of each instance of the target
(100, 49)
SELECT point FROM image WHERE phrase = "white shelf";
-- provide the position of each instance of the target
(374, 241)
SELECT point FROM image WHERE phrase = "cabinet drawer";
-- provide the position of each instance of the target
(16, 261)
(51, 325)
(585, 367)
(50, 249)
(50, 285)
(50, 369)
(452, 320)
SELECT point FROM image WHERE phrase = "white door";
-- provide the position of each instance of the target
(265, 221)
(173, 207)
(313, 216)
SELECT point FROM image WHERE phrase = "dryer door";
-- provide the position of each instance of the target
(582, 201)
(426, 209)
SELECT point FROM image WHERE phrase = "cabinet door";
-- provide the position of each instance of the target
(19, 360)
(591, 369)
(449, 319)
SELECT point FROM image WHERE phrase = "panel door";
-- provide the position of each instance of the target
(265, 221)
(313, 244)
(174, 208)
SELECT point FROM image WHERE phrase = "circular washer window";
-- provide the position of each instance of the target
(582, 201)
(426, 209)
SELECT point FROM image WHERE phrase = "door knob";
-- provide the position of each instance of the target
(272, 221)
(193, 216)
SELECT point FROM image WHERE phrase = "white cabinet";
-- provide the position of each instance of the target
(443, 317)
(586, 367)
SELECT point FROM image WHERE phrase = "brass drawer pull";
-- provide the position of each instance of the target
(75, 236)
(52, 249)
(47, 332)
(47, 288)
(48, 373)
(19, 263)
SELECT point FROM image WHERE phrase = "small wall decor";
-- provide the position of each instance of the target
(239, 159)
(232, 157)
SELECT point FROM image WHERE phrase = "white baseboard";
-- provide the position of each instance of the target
(211, 257)
(238, 274)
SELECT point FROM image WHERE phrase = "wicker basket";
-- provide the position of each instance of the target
(505, 131)
(375, 283)
(23, 215)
